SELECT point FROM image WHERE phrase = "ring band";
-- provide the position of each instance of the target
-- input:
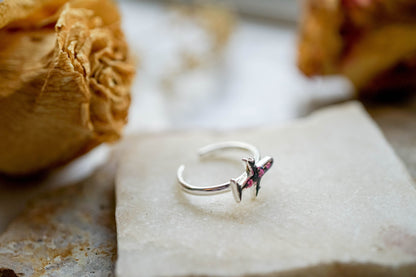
(250, 179)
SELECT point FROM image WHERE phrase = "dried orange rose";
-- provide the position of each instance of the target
(65, 76)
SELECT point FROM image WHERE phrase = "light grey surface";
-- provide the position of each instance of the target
(14, 194)
(283, 10)
(398, 123)
(67, 231)
(336, 194)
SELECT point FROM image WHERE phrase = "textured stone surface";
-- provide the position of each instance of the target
(338, 200)
(68, 231)
(398, 123)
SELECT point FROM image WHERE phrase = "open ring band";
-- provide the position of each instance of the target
(250, 179)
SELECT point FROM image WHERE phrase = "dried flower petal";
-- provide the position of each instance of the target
(64, 84)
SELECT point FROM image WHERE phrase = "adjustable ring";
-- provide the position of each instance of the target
(255, 168)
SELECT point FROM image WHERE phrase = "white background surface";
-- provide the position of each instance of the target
(254, 82)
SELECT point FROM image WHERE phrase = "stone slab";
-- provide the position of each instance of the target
(67, 231)
(338, 200)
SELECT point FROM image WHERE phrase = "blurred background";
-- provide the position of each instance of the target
(223, 64)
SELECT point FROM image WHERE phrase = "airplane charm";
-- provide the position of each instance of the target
(251, 178)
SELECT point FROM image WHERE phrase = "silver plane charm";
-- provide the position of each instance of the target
(252, 177)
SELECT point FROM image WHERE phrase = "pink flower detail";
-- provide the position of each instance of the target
(261, 172)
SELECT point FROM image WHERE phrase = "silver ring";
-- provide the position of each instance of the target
(255, 168)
